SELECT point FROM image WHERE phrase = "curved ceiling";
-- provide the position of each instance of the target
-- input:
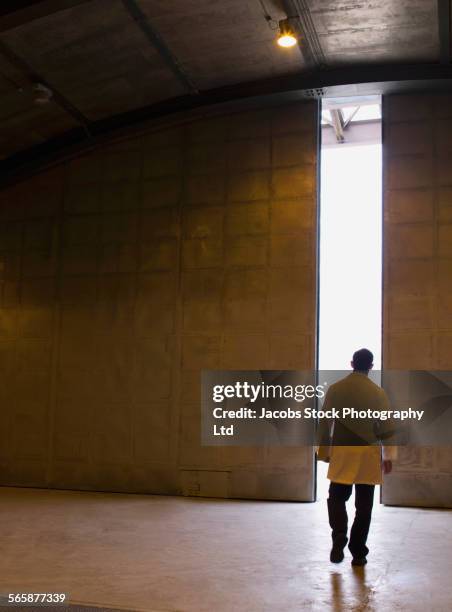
(112, 62)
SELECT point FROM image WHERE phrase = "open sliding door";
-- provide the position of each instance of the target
(129, 269)
(253, 306)
(417, 253)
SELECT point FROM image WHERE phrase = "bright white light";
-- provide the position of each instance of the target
(287, 41)
(350, 254)
(370, 112)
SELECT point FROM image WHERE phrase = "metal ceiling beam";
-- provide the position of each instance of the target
(339, 123)
(300, 15)
(337, 120)
(159, 44)
(35, 78)
(349, 81)
(444, 30)
(362, 132)
(14, 13)
(351, 117)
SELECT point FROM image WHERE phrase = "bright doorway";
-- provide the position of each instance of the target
(350, 248)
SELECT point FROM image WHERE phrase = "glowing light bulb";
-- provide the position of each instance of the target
(287, 40)
(287, 36)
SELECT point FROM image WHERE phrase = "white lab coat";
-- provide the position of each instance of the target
(357, 464)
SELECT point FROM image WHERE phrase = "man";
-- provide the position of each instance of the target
(355, 457)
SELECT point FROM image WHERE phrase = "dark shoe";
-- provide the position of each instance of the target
(337, 552)
(359, 561)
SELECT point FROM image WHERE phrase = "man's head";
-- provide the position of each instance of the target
(362, 360)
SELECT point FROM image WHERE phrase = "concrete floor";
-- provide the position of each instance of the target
(159, 553)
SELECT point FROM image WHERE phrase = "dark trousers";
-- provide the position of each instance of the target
(337, 514)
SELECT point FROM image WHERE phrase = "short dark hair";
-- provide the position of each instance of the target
(362, 360)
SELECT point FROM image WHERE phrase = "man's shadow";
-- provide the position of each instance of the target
(356, 596)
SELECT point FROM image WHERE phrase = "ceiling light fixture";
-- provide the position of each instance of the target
(41, 94)
(287, 36)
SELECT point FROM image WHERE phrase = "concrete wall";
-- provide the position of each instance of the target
(126, 271)
(417, 324)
